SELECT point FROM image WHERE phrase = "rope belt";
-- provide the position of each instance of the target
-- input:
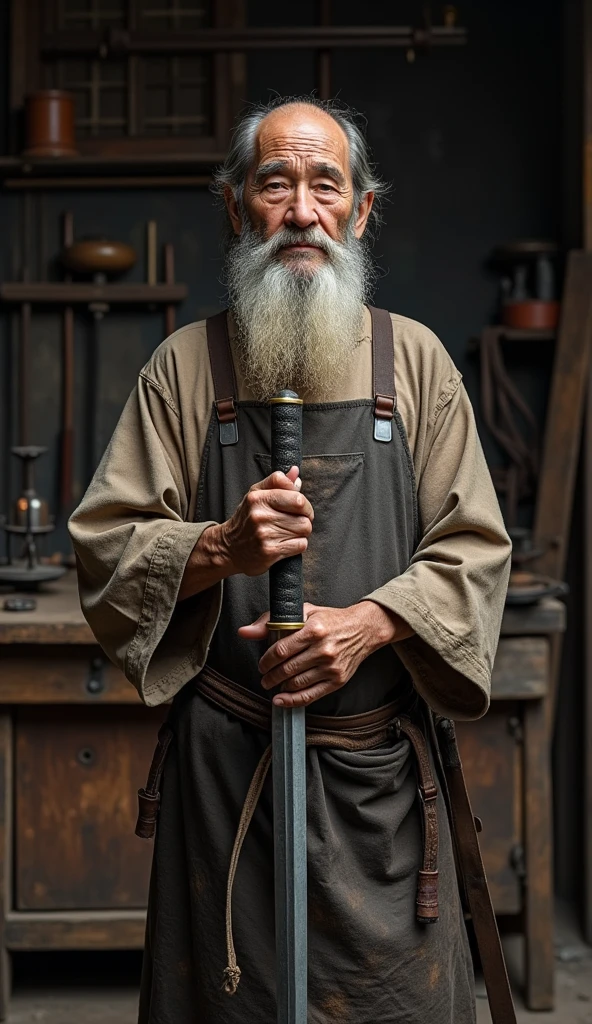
(352, 732)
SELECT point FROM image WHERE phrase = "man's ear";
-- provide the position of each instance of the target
(363, 214)
(233, 210)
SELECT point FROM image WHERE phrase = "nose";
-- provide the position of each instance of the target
(301, 212)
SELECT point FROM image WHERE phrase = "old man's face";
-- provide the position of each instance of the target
(298, 271)
(301, 181)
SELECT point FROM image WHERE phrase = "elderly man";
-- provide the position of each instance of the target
(406, 563)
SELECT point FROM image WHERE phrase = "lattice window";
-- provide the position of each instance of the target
(128, 98)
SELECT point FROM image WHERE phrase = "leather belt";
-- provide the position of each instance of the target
(348, 732)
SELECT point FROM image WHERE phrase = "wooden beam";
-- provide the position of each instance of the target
(587, 709)
(50, 293)
(120, 42)
(565, 417)
(123, 929)
(6, 761)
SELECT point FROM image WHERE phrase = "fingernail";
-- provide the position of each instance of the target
(298, 484)
(278, 702)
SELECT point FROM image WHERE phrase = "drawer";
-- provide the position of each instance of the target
(61, 674)
(77, 774)
(521, 668)
(491, 753)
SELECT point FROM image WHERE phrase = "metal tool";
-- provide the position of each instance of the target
(288, 733)
(30, 522)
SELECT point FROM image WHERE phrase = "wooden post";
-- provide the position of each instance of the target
(539, 950)
(587, 232)
(5, 856)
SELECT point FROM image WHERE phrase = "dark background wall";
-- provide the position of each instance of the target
(474, 141)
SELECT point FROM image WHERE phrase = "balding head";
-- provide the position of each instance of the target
(335, 120)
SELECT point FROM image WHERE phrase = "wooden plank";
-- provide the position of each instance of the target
(57, 619)
(108, 930)
(538, 915)
(546, 616)
(564, 417)
(75, 293)
(6, 759)
(492, 760)
(61, 675)
(118, 181)
(219, 40)
(587, 710)
(521, 668)
(78, 771)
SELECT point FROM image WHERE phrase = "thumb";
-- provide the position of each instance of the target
(255, 630)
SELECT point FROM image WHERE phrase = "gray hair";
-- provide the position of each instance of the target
(233, 171)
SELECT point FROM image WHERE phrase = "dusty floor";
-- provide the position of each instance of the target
(100, 992)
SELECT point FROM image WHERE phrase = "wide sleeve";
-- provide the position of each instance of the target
(454, 590)
(132, 542)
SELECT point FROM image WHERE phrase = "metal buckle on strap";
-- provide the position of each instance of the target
(227, 420)
(384, 410)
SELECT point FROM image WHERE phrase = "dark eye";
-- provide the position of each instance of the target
(326, 188)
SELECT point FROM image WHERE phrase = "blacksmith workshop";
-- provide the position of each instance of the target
(295, 512)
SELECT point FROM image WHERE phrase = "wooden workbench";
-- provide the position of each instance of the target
(76, 743)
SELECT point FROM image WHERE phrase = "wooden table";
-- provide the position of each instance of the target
(507, 761)
(76, 743)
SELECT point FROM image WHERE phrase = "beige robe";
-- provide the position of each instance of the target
(134, 530)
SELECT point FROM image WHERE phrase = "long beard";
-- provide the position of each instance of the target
(297, 322)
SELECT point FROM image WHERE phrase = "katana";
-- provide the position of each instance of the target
(288, 737)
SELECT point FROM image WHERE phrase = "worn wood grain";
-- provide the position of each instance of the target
(492, 760)
(546, 616)
(564, 417)
(77, 775)
(101, 930)
(61, 674)
(57, 619)
(521, 668)
(539, 959)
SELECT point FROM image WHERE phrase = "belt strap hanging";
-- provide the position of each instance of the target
(383, 374)
(473, 875)
(222, 366)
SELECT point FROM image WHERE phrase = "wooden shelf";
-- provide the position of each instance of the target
(89, 171)
(119, 42)
(72, 294)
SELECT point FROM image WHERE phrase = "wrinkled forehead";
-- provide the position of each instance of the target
(300, 136)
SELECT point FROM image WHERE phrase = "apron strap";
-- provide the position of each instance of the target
(222, 366)
(383, 373)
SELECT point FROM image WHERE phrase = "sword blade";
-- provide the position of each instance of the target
(289, 809)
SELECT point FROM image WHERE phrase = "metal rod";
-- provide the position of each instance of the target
(227, 40)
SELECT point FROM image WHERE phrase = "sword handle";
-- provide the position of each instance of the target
(288, 741)
(286, 598)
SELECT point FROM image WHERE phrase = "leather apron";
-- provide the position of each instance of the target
(369, 958)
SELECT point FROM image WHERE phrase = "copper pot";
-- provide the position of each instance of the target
(99, 256)
(49, 124)
(531, 314)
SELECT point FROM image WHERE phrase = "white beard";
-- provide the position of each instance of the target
(297, 322)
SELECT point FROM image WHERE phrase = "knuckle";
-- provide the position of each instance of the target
(317, 629)
(281, 649)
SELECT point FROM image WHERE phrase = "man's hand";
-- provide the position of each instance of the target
(325, 653)
(273, 521)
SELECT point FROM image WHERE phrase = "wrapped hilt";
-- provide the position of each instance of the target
(285, 577)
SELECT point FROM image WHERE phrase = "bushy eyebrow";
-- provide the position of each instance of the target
(277, 166)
